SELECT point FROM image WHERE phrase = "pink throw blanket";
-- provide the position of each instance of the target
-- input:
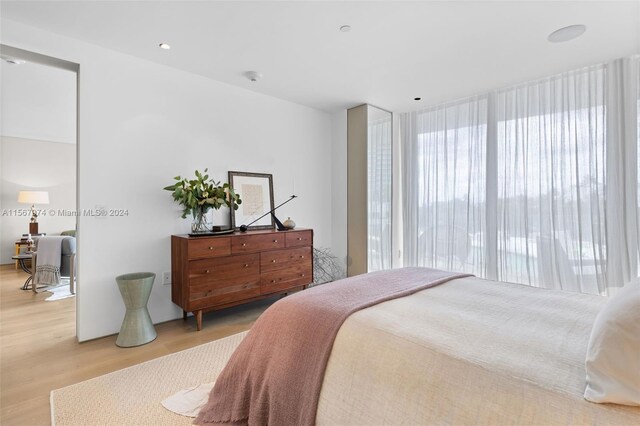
(275, 376)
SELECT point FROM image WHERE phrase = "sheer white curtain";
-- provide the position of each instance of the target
(551, 172)
(444, 163)
(622, 171)
(379, 181)
(551, 162)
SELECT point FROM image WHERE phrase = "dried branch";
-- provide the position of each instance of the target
(326, 267)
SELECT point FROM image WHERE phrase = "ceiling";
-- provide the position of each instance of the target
(395, 51)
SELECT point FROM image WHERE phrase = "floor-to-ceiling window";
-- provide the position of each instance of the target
(534, 183)
(551, 164)
(447, 195)
(379, 196)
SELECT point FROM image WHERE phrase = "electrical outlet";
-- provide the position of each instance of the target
(166, 278)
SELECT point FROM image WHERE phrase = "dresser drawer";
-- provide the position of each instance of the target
(209, 247)
(257, 243)
(226, 271)
(206, 296)
(283, 279)
(280, 259)
(299, 238)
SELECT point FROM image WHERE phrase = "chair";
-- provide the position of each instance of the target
(67, 263)
(557, 270)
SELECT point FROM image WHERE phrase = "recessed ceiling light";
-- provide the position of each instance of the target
(253, 75)
(417, 99)
(164, 46)
(345, 28)
(567, 33)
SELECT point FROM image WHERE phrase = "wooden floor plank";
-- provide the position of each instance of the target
(39, 351)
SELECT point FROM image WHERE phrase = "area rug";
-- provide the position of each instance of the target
(132, 396)
(59, 292)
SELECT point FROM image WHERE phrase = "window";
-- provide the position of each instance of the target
(379, 189)
(450, 208)
(551, 164)
(525, 184)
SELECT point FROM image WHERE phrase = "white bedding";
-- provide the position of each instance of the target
(470, 351)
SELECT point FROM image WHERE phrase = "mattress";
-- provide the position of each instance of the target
(470, 351)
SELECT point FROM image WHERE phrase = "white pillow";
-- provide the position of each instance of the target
(613, 355)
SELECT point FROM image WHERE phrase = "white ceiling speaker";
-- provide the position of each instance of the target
(12, 60)
(253, 75)
(567, 33)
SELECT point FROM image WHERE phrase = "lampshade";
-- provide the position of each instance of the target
(33, 197)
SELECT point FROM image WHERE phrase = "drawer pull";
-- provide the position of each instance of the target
(246, 265)
(210, 248)
(273, 261)
(302, 275)
(299, 238)
(244, 244)
(207, 271)
(301, 257)
(273, 281)
(275, 241)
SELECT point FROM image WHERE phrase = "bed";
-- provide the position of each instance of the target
(466, 351)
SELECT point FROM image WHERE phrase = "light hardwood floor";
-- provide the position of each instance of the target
(39, 351)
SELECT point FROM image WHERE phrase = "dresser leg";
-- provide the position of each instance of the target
(184, 315)
(199, 319)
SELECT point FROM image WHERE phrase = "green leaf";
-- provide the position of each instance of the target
(202, 193)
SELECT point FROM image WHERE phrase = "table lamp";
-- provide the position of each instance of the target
(33, 198)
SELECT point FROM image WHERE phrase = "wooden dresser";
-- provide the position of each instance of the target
(209, 273)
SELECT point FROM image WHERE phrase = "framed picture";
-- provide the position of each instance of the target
(256, 192)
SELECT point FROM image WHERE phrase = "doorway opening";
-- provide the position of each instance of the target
(39, 186)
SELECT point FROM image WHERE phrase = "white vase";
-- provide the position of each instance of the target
(289, 224)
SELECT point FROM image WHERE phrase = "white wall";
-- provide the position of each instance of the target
(143, 123)
(41, 166)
